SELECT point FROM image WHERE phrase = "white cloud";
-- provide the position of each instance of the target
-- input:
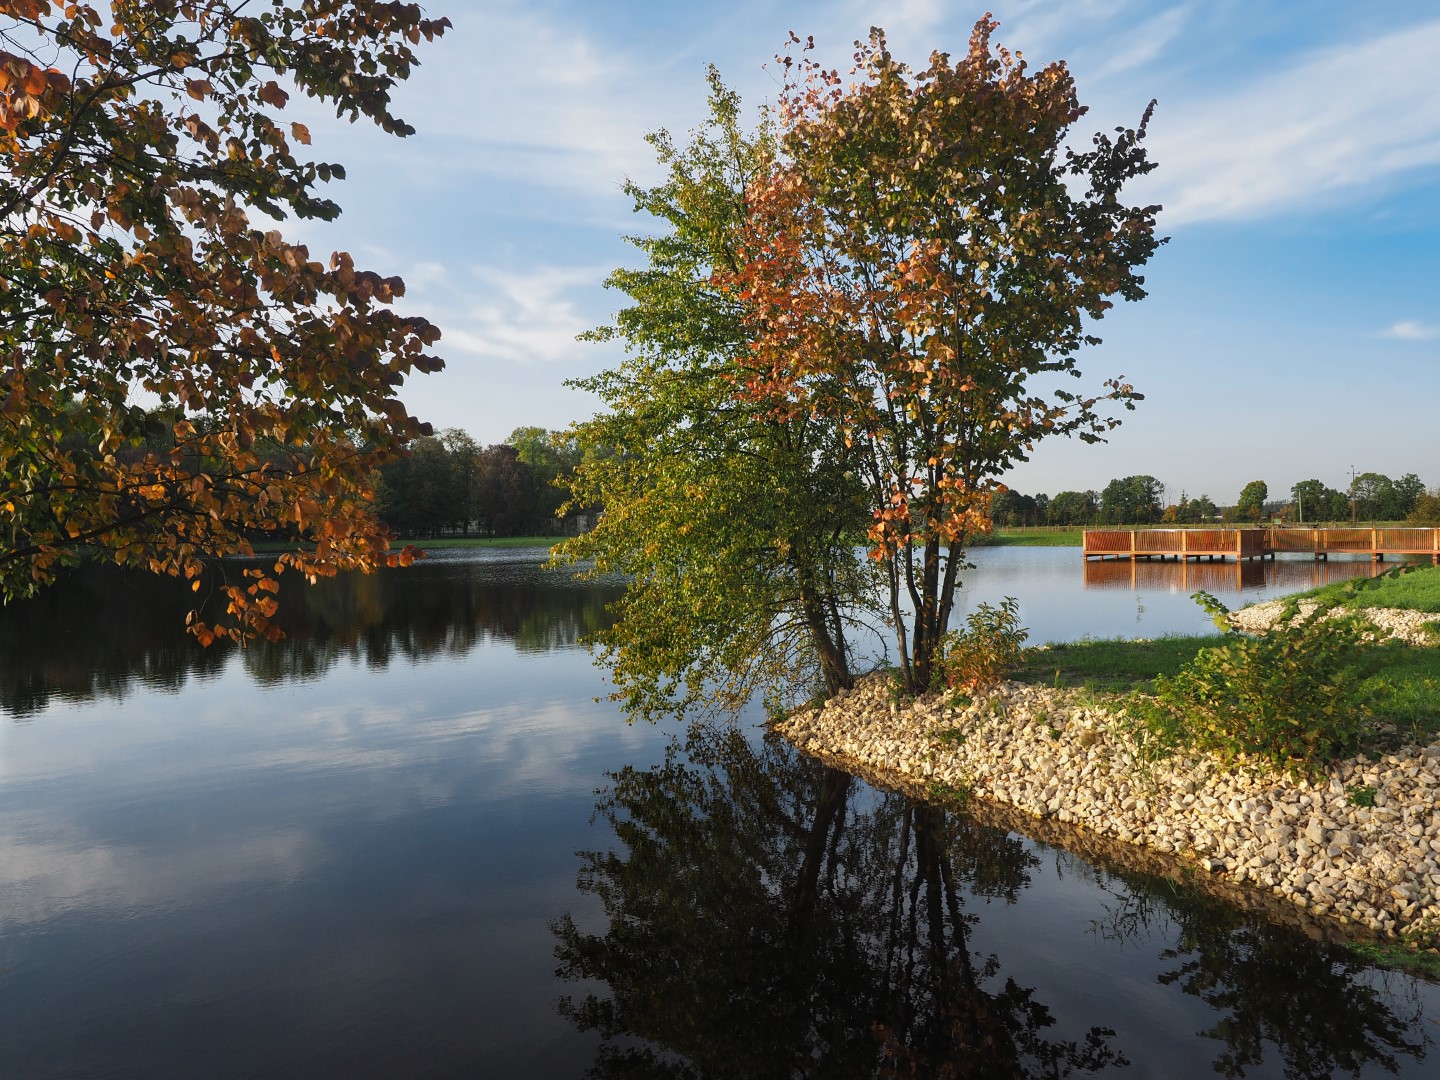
(1329, 125)
(1409, 330)
(517, 315)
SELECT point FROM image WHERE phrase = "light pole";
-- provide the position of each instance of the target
(1354, 503)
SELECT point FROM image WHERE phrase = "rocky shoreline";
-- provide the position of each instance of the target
(1415, 627)
(1357, 850)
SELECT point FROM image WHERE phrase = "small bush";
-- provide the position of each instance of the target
(1294, 697)
(974, 659)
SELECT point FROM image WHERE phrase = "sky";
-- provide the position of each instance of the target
(1292, 327)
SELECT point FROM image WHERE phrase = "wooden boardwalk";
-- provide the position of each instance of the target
(1185, 544)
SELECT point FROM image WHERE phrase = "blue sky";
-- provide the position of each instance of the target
(1293, 324)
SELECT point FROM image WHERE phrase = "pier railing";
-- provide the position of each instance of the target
(1258, 543)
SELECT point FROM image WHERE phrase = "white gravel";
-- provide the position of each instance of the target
(1057, 754)
(1407, 625)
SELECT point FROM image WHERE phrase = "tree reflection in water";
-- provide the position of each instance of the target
(1320, 1006)
(104, 630)
(768, 916)
(763, 922)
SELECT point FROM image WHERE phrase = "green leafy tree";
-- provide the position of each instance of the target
(1375, 497)
(1133, 500)
(1204, 509)
(921, 250)
(434, 489)
(1074, 508)
(737, 527)
(1408, 490)
(1313, 500)
(1252, 500)
(552, 457)
(136, 141)
(1012, 508)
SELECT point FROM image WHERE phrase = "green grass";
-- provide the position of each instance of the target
(1409, 587)
(1405, 690)
(1422, 962)
(1035, 537)
(1113, 665)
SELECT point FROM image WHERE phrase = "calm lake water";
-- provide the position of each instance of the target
(408, 841)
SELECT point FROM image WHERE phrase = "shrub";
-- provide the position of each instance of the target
(1294, 697)
(974, 659)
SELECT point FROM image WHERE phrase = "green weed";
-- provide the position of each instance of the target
(1295, 697)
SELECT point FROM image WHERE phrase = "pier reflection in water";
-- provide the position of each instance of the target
(1282, 574)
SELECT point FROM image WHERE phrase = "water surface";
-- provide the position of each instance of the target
(408, 841)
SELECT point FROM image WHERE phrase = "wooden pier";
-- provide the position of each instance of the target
(1185, 544)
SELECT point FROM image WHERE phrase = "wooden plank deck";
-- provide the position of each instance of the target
(1185, 544)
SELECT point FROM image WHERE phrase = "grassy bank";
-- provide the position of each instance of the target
(1114, 665)
(439, 543)
(1409, 588)
(485, 542)
(1033, 537)
(1405, 691)
(1401, 689)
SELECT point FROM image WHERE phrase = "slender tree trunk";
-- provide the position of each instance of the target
(834, 666)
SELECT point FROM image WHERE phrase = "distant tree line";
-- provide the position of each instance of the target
(449, 485)
(1141, 500)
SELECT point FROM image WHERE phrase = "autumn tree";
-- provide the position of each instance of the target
(1426, 510)
(142, 147)
(921, 262)
(736, 523)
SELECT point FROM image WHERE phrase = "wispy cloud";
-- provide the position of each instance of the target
(1408, 330)
(511, 92)
(1337, 122)
(1146, 42)
(518, 315)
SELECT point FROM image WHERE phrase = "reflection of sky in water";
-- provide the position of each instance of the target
(309, 859)
(352, 873)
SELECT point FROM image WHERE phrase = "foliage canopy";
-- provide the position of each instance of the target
(737, 526)
(921, 252)
(175, 379)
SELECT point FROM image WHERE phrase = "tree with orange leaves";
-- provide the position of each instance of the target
(175, 379)
(924, 252)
